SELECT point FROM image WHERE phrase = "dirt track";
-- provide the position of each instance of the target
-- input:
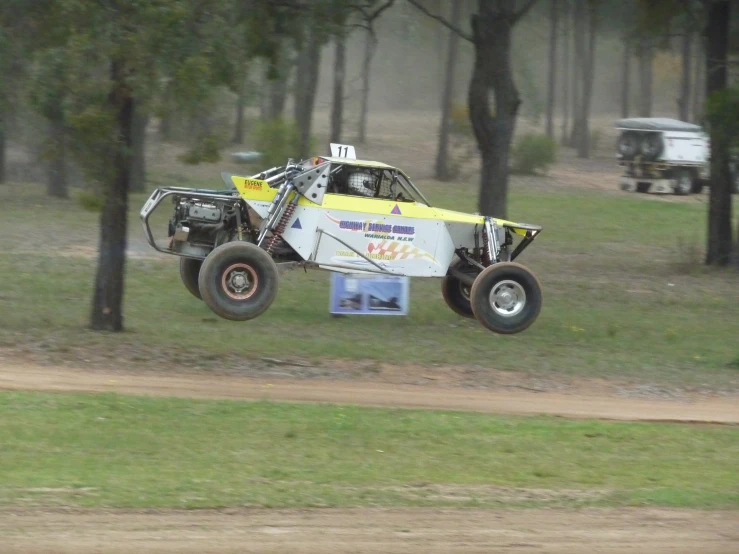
(709, 410)
(371, 531)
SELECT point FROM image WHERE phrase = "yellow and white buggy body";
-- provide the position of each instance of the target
(343, 215)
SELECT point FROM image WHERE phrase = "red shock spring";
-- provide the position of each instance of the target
(280, 226)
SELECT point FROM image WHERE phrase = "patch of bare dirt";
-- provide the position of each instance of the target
(370, 531)
(574, 403)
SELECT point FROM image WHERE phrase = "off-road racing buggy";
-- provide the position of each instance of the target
(344, 215)
(665, 156)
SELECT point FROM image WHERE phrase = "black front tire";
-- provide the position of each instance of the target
(457, 294)
(189, 273)
(506, 298)
(238, 281)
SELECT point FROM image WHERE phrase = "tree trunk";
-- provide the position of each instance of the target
(645, 78)
(238, 136)
(580, 72)
(683, 102)
(699, 81)
(552, 66)
(277, 97)
(264, 96)
(2, 153)
(719, 210)
(369, 50)
(305, 93)
(57, 164)
(165, 119)
(107, 301)
(442, 155)
(138, 152)
(583, 147)
(625, 79)
(337, 104)
(493, 131)
(565, 71)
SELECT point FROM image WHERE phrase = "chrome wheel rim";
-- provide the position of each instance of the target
(507, 298)
(240, 281)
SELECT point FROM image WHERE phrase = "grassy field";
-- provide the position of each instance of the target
(121, 451)
(624, 296)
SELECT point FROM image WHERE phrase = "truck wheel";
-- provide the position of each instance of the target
(683, 182)
(651, 146)
(189, 272)
(506, 298)
(456, 293)
(238, 281)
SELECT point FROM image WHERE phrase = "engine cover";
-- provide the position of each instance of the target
(204, 212)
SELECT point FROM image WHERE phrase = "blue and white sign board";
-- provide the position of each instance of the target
(365, 294)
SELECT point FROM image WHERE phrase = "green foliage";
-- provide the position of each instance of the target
(277, 140)
(534, 152)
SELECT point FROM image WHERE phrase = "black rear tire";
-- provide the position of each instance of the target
(189, 273)
(457, 294)
(238, 281)
(506, 298)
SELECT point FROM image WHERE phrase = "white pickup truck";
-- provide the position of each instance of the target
(665, 156)
(661, 155)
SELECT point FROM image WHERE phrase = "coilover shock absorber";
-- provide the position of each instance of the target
(485, 249)
(280, 228)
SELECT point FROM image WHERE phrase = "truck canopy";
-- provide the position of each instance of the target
(657, 124)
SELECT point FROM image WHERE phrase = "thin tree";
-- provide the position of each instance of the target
(442, 155)
(719, 207)
(138, 147)
(588, 74)
(240, 85)
(565, 71)
(370, 44)
(577, 61)
(552, 81)
(699, 78)
(683, 101)
(580, 23)
(306, 84)
(645, 58)
(492, 28)
(337, 102)
(2, 150)
(625, 78)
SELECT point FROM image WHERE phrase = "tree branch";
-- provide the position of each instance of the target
(523, 11)
(379, 10)
(443, 21)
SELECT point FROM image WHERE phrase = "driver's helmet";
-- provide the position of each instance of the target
(361, 183)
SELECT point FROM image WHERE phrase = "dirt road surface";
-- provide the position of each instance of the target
(370, 531)
(576, 405)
